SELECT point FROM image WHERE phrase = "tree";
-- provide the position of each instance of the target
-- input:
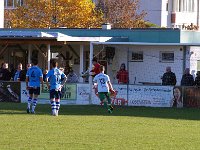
(122, 13)
(55, 13)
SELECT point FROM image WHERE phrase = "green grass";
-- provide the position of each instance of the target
(92, 128)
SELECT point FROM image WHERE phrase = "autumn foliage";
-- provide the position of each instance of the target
(54, 13)
(76, 14)
(122, 13)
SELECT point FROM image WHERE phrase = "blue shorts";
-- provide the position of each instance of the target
(35, 91)
(55, 94)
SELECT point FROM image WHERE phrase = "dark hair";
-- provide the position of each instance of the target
(35, 61)
(54, 62)
(94, 59)
(123, 64)
(102, 68)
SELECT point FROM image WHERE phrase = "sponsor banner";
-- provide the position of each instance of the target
(177, 97)
(68, 94)
(10, 92)
(83, 94)
(24, 93)
(152, 96)
(191, 97)
(120, 98)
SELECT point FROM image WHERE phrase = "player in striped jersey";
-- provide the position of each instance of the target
(57, 79)
(104, 88)
(33, 79)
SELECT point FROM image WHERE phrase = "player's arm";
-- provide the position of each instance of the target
(64, 77)
(27, 80)
(110, 87)
(95, 81)
(48, 85)
(41, 81)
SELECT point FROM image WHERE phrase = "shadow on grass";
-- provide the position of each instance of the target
(45, 109)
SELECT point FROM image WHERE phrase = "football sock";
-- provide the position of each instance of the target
(29, 102)
(105, 103)
(34, 104)
(57, 106)
(53, 107)
(109, 100)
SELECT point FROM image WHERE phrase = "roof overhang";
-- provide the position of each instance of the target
(82, 39)
(146, 43)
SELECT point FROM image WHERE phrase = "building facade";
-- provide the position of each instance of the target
(172, 13)
(145, 52)
(1, 13)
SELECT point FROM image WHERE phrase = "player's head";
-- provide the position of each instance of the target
(28, 66)
(54, 63)
(102, 68)
(19, 66)
(94, 60)
(34, 62)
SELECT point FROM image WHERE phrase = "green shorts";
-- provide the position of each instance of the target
(104, 95)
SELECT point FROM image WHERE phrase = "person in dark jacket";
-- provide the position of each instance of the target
(169, 78)
(22, 74)
(187, 78)
(197, 79)
(5, 74)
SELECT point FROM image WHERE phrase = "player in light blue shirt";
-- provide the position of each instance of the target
(34, 77)
(57, 79)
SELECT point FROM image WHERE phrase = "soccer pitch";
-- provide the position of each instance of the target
(91, 128)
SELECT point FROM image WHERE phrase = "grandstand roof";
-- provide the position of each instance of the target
(149, 36)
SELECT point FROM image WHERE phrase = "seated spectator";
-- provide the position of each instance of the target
(168, 78)
(197, 79)
(187, 78)
(5, 74)
(72, 77)
(122, 75)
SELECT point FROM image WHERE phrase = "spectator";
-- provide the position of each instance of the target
(96, 69)
(22, 74)
(197, 79)
(169, 78)
(45, 71)
(5, 74)
(187, 78)
(72, 77)
(122, 75)
(17, 72)
(62, 69)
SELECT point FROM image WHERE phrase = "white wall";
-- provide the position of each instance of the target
(156, 11)
(181, 18)
(192, 56)
(157, 14)
(151, 70)
(1, 13)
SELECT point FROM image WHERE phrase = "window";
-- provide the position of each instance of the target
(136, 56)
(167, 6)
(13, 3)
(166, 56)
